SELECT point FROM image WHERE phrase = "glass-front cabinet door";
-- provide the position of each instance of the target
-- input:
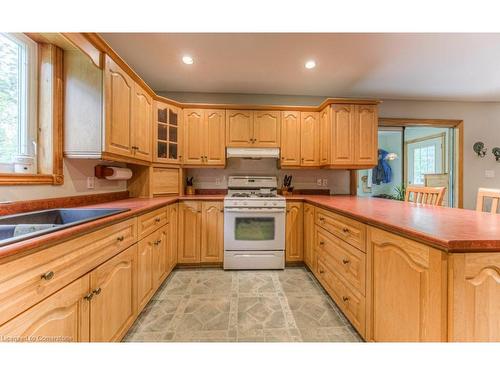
(167, 133)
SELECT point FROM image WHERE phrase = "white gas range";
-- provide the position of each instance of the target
(254, 224)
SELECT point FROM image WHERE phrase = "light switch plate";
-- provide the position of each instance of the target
(91, 182)
(325, 182)
(489, 173)
(318, 182)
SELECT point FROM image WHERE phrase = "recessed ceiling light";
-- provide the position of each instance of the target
(187, 60)
(310, 64)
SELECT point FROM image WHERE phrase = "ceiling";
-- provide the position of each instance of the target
(449, 66)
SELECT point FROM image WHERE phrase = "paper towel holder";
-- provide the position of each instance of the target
(101, 171)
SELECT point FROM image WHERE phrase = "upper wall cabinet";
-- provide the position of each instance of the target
(300, 141)
(290, 138)
(252, 128)
(204, 140)
(167, 133)
(354, 140)
(107, 114)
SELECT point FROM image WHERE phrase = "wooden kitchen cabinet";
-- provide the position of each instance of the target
(113, 307)
(324, 136)
(212, 232)
(294, 232)
(161, 262)
(167, 133)
(142, 123)
(406, 289)
(290, 138)
(64, 316)
(309, 141)
(366, 135)
(189, 232)
(474, 297)
(172, 239)
(309, 229)
(145, 282)
(239, 128)
(118, 99)
(204, 137)
(342, 134)
(266, 128)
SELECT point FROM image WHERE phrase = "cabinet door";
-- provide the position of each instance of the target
(342, 134)
(290, 138)
(189, 232)
(173, 226)
(309, 142)
(266, 128)
(113, 307)
(366, 135)
(309, 252)
(145, 288)
(142, 123)
(239, 128)
(214, 137)
(161, 264)
(406, 289)
(118, 91)
(167, 134)
(64, 316)
(474, 297)
(212, 232)
(193, 139)
(293, 239)
(324, 136)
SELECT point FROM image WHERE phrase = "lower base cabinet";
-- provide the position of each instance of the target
(294, 232)
(309, 251)
(64, 316)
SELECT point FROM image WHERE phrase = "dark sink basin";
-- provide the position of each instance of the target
(14, 228)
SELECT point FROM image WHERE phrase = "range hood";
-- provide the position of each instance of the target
(253, 153)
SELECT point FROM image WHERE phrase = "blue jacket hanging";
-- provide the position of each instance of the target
(382, 173)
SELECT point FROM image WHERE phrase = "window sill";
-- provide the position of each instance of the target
(30, 179)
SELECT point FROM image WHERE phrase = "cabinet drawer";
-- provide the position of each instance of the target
(351, 302)
(342, 258)
(351, 231)
(27, 280)
(151, 221)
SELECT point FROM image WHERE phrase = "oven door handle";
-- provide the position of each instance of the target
(256, 210)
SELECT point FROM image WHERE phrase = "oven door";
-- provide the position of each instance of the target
(254, 229)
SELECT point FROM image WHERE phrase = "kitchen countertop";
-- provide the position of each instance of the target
(450, 229)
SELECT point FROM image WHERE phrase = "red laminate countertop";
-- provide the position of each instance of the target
(450, 229)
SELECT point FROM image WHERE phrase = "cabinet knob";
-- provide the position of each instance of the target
(321, 271)
(89, 296)
(345, 230)
(222, 210)
(345, 261)
(321, 219)
(345, 298)
(321, 243)
(157, 219)
(120, 238)
(48, 275)
(97, 291)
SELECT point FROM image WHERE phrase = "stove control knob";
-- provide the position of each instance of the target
(265, 203)
(245, 203)
(275, 204)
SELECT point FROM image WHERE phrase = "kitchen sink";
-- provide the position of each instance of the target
(14, 228)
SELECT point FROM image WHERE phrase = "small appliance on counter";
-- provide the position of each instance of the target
(254, 224)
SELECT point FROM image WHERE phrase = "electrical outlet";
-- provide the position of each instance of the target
(318, 182)
(217, 181)
(489, 173)
(91, 182)
(325, 182)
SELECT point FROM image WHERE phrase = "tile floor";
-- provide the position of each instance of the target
(211, 305)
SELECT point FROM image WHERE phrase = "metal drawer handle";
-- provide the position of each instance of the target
(97, 291)
(345, 230)
(120, 238)
(157, 220)
(157, 242)
(48, 275)
(345, 261)
(321, 219)
(345, 299)
(321, 243)
(89, 296)
(321, 271)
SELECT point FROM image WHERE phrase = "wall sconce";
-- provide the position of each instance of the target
(479, 149)
(496, 152)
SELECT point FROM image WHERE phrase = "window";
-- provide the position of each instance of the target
(18, 101)
(424, 161)
(426, 155)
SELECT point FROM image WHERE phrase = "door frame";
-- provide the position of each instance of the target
(458, 125)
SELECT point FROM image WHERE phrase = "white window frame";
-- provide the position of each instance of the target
(27, 141)
(437, 141)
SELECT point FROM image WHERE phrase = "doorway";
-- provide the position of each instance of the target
(416, 152)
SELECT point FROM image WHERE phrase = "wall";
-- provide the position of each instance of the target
(337, 180)
(75, 183)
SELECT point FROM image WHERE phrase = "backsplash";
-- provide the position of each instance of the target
(337, 181)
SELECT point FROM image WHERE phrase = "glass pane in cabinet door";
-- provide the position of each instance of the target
(162, 132)
(162, 150)
(172, 133)
(162, 115)
(173, 117)
(172, 151)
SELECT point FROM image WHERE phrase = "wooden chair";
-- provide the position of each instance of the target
(425, 195)
(494, 194)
